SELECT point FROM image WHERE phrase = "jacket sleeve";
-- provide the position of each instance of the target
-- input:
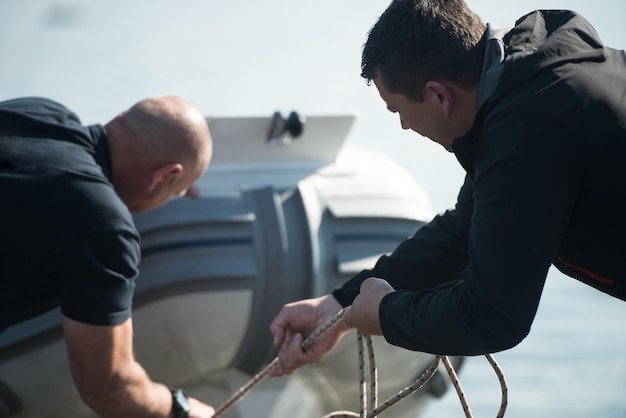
(434, 257)
(527, 165)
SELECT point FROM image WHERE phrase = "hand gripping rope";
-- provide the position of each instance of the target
(372, 405)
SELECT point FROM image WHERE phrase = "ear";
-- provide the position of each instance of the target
(164, 173)
(439, 96)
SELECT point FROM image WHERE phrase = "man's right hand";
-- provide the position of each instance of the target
(298, 320)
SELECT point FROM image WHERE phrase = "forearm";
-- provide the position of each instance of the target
(433, 258)
(107, 376)
(133, 394)
(127, 393)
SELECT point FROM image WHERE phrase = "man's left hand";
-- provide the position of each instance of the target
(363, 314)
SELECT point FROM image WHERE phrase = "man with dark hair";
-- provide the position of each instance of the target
(536, 115)
(68, 238)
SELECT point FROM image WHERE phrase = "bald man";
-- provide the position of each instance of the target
(68, 237)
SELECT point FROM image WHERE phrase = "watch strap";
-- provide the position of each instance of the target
(180, 403)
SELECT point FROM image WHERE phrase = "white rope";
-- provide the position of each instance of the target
(264, 373)
(372, 406)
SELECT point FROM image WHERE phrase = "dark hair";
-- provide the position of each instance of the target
(415, 41)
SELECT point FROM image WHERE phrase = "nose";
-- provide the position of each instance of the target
(403, 124)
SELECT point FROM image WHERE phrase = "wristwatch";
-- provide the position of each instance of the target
(180, 404)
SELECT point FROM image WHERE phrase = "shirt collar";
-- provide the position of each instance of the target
(102, 150)
(493, 63)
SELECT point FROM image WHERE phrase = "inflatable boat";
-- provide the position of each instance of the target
(287, 210)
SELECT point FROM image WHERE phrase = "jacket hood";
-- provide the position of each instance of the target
(548, 38)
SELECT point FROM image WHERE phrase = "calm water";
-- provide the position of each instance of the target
(252, 58)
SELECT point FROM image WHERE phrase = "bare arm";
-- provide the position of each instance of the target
(109, 379)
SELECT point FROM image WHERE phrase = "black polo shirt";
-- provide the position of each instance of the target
(66, 238)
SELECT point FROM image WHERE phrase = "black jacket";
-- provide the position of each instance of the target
(545, 161)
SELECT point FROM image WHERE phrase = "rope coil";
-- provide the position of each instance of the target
(372, 406)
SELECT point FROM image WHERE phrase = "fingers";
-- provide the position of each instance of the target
(363, 313)
(279, 327)
(296, 317)
(297, 320)
(276, 371)
(199, 409)
(374, 284)
(287, 330)
(291, 355)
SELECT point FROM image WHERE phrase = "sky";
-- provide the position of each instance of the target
(243, 58)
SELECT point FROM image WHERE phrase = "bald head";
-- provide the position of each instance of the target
(169, 128)
(158, 142)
